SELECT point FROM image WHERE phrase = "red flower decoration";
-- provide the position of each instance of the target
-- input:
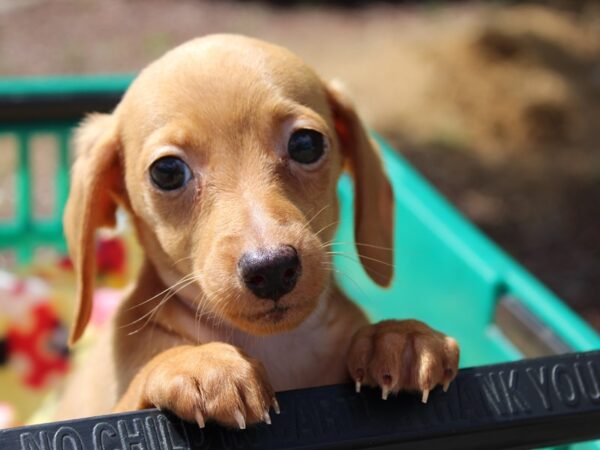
(40, 345)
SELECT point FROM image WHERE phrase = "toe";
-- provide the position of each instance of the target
(429, 363)
(200, 419)
(384, 367)
(359, 355)
(452, 355)
(239, 419)
(275, 405)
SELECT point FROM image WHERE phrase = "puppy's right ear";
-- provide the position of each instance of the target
(96, 185)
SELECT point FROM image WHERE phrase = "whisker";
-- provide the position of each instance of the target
(207, 299)
(353, 281)
(184, 279)
(358, 244)
(166, 298)
(361, 256)
(182, 259)
(374, 272)
(314, 217)
(326, 226)
(149, 315)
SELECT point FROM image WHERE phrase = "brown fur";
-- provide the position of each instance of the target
(207, 348)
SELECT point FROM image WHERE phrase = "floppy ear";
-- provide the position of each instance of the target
(96, 182)
(373, 200)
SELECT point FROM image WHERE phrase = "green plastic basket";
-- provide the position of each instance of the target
(31, 107)
(447, 273)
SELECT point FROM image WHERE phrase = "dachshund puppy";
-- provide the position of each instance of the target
(226, 153)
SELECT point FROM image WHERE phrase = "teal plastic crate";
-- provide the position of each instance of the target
(447, 273)
(450, 275)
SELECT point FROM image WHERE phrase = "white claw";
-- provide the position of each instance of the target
(446, 386)
(276, 406)
(200, 419)
(267, 418)
(385, 391)
(358, 386)
(239, 418)
(425, 395)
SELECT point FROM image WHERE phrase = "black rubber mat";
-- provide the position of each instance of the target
(524, 404)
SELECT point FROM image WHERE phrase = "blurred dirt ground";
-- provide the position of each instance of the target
(498, 104)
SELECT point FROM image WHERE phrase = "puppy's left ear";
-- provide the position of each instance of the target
(96, 185)
(373, 199)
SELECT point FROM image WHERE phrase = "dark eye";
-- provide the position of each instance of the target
(306, 146)
(170, 173)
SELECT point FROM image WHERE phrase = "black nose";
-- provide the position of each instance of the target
(270, 273)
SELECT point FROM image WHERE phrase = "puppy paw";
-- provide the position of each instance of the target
(214, 381)
(402, 355)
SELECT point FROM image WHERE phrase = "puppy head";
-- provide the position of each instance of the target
(227, 152)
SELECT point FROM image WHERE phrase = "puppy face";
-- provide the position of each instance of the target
(227, 152)
(231, 163)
